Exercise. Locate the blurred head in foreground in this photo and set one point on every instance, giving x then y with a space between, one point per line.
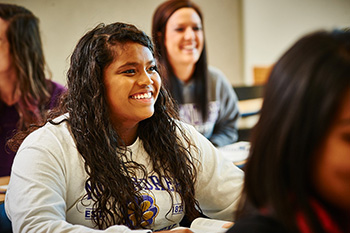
299 164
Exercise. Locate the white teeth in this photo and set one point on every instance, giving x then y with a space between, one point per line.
142 96
189 47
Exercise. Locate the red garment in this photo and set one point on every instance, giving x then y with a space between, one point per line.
328 224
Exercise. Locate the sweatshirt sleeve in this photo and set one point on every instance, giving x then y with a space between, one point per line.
36 199
225 130
219 183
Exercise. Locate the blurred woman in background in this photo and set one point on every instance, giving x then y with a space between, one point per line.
206 99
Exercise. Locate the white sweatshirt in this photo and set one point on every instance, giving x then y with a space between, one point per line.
48 183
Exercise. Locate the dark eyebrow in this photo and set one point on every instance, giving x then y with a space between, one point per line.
135 64
151 61
129 64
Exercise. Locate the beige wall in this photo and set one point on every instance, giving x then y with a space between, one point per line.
63 22
239 33
271 26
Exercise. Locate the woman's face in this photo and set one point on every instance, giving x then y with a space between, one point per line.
132 85
332 168
5 56
184 38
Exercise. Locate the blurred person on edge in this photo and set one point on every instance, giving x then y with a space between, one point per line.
25 92
297 177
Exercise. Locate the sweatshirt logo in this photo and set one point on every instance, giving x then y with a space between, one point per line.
148 205
149 208
190 114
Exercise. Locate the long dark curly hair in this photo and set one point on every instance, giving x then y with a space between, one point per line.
111 173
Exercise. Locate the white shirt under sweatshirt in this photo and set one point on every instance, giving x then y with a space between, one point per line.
48 183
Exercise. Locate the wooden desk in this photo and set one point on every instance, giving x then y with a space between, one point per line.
3 181
249 110
250 106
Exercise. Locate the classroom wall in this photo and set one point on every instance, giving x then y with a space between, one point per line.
240 34
271 26
63 23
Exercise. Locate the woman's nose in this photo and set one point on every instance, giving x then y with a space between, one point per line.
189 33
145 79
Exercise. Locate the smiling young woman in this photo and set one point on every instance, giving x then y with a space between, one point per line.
114 156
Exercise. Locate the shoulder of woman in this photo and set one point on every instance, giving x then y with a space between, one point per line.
57 87
56 91
52 130
216 72
185 127
188 130
193 135
49 139
217 76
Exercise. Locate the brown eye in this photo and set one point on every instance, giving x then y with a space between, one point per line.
179 29
153 68
131 71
